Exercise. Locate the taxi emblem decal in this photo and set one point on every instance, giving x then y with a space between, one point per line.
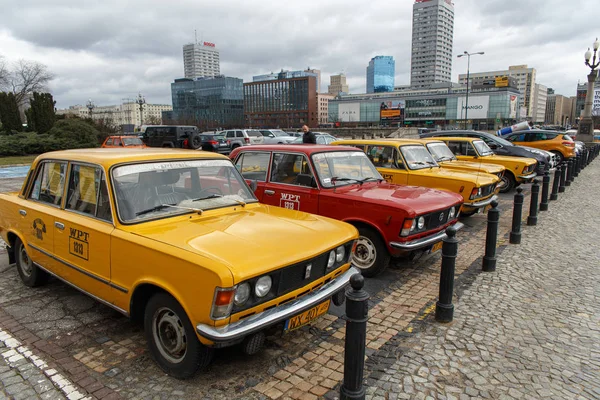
307 271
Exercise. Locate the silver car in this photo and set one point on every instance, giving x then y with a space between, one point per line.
275 136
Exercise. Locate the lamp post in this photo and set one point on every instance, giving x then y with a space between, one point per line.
466 53
586 125
90 106
140 101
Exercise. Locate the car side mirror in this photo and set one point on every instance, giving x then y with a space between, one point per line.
252 183
306 180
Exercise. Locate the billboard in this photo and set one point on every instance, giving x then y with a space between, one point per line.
349 112
513 106
596 104
391 111
478 107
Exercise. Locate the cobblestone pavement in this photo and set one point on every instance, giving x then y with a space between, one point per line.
104 355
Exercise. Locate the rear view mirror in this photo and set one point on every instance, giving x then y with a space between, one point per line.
306 180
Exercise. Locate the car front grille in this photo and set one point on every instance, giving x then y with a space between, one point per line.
437 219
487 190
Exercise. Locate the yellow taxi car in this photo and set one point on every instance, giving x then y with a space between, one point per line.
178 240
409 163
518 169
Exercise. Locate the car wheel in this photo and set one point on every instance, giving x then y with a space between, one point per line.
371 255
235 146
195 142
508 182
172 339
30 274
559 156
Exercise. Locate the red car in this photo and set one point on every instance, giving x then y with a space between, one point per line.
341 182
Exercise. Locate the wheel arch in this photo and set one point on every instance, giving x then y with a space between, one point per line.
140 297
12 236
358 223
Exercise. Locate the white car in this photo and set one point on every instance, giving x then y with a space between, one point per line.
276 136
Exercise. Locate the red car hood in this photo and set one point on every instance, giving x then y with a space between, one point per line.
412 198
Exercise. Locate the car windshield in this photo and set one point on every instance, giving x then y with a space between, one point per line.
440 152
161 189
132 142
338 168
482 148
279 133
417 157
254 133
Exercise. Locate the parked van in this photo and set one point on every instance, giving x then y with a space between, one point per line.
175 136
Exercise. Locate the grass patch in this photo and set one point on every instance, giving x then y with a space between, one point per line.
12 160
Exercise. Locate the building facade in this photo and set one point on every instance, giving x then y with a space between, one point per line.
525 82
559 109
337 85
540 96
381 74
281 103
285 74
200 60
432 42
323 107
209 103
126 114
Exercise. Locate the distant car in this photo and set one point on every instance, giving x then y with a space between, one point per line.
558 143
276 136
322 138
572 133
174 136
242 137
123 141
215 143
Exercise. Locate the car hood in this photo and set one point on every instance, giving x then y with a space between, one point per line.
252 240
473 166
416 199
508 159
474 177
525 151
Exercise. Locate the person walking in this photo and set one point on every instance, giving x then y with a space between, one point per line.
308 137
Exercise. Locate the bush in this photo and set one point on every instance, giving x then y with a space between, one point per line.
76 131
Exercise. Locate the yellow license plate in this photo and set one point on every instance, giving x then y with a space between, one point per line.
486 208
306 317
436 247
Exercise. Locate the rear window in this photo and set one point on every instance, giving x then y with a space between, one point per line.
254 133
132 142
567 137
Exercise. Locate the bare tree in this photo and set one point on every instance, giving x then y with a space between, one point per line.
25 78
3 73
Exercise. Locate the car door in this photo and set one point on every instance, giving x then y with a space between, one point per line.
389 163
284 187
254 166
82 231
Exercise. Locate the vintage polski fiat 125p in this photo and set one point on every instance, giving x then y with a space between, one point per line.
342 183
177 239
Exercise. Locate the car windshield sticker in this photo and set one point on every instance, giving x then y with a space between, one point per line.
78 243
39 228
290 201
168 165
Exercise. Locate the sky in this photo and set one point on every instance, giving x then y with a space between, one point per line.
110 51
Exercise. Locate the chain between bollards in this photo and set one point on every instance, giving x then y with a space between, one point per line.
515 233
555 183
444 309
545 191
491 237
533 204
357 312
563 177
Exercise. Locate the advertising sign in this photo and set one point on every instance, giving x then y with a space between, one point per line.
502 81
478 107
513 106
391 111
596 105
349 112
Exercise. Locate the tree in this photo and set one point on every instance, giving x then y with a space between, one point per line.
9 113
153 120
3 73
75 131
40 116
24 78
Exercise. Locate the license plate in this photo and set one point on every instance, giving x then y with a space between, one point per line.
223 145
486 208
306 317
436 247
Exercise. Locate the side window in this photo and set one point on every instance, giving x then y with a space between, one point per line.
455 147
49 183
253 165
109 142
469 150
383 156
88 192
117 142
230 134
239 134
286 168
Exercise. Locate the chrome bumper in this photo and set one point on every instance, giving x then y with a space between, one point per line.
482 203
528 177
258 322
426 241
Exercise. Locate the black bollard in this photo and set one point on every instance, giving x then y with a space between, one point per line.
515 233
491 237
555 183
533 205
444 309
563 177
569 173
357 311
577 166
545 190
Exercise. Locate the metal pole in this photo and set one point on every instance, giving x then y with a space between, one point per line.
491 237
357 313
533 205
467 99
563 177
545 191
444 309
515 233
556 183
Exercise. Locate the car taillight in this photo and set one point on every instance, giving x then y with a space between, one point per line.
229 143
569 144
185 143
247 140
213 142
223 303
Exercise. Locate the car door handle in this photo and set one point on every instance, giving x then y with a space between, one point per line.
59 225
270 192
23 212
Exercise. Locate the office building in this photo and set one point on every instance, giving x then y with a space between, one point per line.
323 107
525 82
285 74
281 103
380 74
540 96
558 109
337 85
432 42
209 103
201 60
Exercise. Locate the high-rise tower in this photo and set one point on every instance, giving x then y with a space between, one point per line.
200 59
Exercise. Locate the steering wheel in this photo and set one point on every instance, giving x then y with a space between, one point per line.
213 188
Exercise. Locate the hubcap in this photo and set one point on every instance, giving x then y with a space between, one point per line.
365 255
169 335
25 263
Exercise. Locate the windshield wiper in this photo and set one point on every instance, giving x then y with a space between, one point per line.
216 196
368 179
444 158
335 179
163 206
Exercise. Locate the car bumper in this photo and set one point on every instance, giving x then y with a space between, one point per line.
482 203
527 178
424 242
240 329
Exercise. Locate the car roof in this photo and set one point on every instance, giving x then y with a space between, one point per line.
459 138
381 142
302 148
422 141
109 157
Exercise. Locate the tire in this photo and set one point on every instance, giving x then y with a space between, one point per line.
235 146
30 274
167 325
559 157
371 255
195 142
509 182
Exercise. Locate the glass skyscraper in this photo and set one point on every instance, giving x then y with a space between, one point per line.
380 74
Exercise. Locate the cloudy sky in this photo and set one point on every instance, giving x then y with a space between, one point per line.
111 50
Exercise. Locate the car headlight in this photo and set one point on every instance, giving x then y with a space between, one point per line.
331 259
451 213
242 294
340 252
263 286
421 223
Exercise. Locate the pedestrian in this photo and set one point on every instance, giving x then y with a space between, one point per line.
308 137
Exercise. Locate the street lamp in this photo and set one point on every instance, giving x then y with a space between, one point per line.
586 125
90 105
466 53
141 101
